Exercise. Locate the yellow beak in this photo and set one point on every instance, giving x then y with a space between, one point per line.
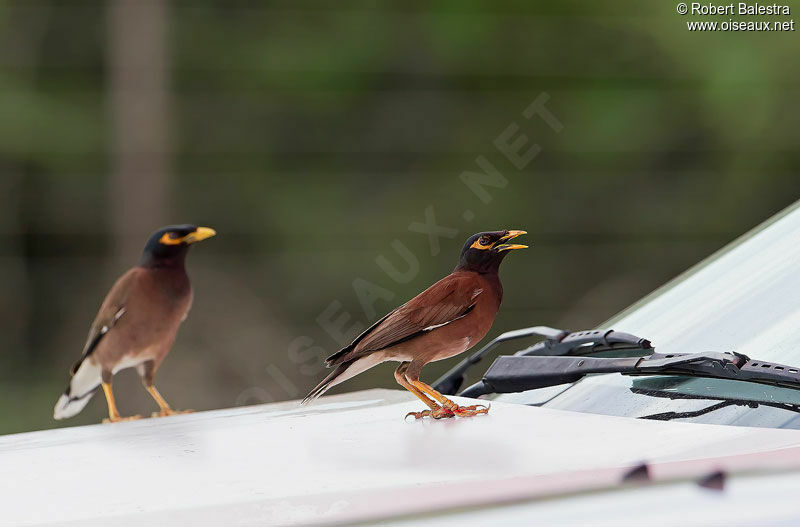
510 246
200 234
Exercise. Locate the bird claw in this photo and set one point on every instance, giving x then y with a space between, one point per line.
170 411
452 411
108 420
441 413
469 411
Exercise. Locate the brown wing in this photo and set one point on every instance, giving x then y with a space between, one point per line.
112 309
447 300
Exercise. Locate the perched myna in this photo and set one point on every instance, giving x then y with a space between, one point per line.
137 322
446 319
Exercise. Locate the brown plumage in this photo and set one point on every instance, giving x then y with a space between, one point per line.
137 322
446 319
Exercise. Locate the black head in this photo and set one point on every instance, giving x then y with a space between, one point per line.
168 245
484 251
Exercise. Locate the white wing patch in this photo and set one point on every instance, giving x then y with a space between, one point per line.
117 316
475 294
431 328
440 325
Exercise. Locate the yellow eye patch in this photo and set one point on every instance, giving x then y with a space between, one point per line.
167 240
478 244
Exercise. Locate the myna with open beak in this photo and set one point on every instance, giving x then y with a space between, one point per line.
137 323
448 318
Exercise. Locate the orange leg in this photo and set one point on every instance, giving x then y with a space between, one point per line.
162 403
436 411
113 414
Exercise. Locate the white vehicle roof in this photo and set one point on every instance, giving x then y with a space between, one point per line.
352 458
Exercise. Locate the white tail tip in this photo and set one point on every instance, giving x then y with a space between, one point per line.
81 388
65 407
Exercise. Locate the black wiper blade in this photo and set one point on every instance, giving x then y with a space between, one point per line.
587 342
723 402
509 374
690 414
557 342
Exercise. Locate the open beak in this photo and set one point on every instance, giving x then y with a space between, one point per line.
509 246
200 234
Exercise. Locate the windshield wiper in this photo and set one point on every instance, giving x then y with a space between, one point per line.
557 342
586 343
509 374
724 402
669 416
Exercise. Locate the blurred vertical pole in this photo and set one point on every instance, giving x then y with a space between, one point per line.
138 65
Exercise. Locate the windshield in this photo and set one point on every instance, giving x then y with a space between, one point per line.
745 298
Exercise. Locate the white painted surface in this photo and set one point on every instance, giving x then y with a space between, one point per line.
345 458
755 501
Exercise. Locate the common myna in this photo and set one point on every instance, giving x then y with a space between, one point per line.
137 322
446 319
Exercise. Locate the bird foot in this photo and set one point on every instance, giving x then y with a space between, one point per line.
170 411
120 419
440 413
469 411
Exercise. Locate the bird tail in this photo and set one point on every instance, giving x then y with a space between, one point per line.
343 371
79 391
331 380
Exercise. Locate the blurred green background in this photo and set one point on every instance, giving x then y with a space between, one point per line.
312 134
